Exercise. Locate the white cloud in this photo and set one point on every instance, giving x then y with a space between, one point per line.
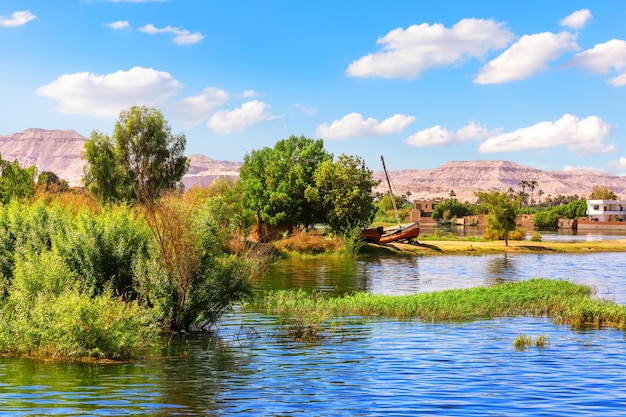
577 20
120 24
192 110
353 125
586 136
526 57
603 58
621 163
406 53
17 19
105 95
310 111
438 136
182 36
249 94
239 119
584 168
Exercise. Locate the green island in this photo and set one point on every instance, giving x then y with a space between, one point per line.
114 269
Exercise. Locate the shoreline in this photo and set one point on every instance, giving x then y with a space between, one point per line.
466 247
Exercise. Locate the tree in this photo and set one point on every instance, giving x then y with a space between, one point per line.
450 207
49 181
532 184
344 190
539 193
274 181
16 182
502 211
600 192
140 162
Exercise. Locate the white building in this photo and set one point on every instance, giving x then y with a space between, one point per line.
606 210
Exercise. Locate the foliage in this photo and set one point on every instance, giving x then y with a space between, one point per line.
600 192
16 182
343 189
550 218
191 281
274 181
451 208
50 182
536 237
141 161
50 312
386 204
502 211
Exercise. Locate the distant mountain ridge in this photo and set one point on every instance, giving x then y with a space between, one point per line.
60 151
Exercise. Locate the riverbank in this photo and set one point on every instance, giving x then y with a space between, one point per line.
465 247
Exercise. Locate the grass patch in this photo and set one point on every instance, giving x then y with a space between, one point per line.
563 301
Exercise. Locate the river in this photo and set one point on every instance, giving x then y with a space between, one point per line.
382 367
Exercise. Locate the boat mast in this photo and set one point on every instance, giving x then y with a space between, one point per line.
393 200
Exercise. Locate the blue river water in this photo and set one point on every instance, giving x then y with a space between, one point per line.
381 367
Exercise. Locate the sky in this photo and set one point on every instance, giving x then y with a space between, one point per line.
540 83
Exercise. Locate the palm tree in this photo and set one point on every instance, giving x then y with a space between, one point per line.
539 193
510 191
532 184
523 184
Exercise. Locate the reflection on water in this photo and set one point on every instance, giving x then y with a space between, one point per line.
602 271
377 368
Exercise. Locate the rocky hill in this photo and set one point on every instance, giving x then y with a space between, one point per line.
465 177
60 151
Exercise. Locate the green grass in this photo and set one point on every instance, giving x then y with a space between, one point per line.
563 301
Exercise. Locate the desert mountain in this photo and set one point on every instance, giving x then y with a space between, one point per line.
465 177
60 151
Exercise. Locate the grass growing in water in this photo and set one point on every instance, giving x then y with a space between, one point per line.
565 302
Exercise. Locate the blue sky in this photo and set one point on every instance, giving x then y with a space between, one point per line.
540 83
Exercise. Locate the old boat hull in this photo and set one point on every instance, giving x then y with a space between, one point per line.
407 232
372 234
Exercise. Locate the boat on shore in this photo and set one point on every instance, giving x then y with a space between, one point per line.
379 234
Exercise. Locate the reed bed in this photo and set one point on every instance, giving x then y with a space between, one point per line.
565 302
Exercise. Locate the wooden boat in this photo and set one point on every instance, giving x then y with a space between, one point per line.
406 232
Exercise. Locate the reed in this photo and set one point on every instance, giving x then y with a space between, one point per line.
564 301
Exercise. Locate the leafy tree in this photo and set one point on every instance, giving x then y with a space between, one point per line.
140 162
274 181
547 218
385 203
16 182
344 190
502 211
449 208
600 192
51 182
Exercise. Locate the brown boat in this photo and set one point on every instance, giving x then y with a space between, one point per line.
406 232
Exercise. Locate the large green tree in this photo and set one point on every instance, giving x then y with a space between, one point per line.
274 181
343 188
141 161
502 211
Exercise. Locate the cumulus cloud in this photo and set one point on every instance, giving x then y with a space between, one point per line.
603 58
406 53
120 24
192 110
438 136
620 163
105 95
585 136
233 121
529 55
17 19
182 36
577 20
353 125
